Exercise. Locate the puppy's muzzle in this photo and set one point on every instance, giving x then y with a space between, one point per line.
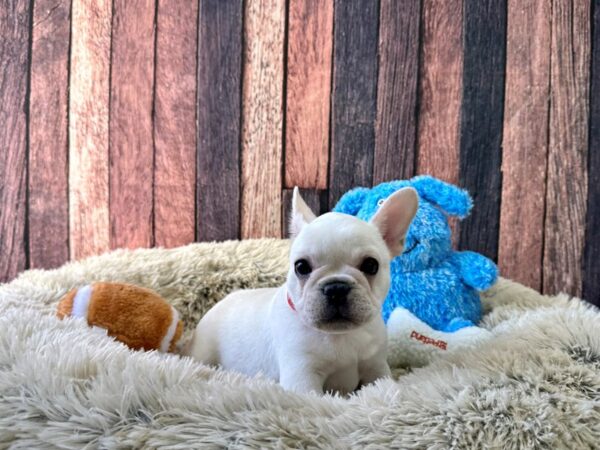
336 292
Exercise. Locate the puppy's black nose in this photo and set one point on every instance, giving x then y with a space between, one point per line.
336 290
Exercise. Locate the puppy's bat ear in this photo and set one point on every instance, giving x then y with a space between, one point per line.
301 213
394 217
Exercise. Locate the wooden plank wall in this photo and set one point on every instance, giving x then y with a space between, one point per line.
591 268
15 29
89 97
484 40
175 110
354 95
48 133
219 119
566 182
131 101
262 118
397 89
525 140
146 123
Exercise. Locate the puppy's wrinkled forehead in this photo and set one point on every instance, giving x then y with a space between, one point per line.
338 237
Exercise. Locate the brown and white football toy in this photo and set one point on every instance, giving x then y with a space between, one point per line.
138 317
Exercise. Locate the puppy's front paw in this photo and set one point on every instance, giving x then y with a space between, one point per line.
301 382
374 370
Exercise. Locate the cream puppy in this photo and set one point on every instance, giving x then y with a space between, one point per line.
322 330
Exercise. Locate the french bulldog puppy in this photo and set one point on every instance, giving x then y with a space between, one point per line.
322 330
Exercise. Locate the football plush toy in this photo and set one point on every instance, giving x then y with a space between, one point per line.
138 317
433 304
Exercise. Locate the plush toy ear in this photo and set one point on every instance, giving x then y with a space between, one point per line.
301 213
451 199
352 201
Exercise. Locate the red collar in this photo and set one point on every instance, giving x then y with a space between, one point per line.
290 302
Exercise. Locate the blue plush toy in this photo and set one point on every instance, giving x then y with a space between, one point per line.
431 283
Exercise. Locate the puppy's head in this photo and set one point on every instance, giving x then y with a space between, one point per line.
340 265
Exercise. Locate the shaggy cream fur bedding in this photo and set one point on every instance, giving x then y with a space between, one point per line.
64 385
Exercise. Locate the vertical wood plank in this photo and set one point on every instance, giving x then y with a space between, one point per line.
262 118
219 111
567 153
175 123
591 267
48 128
525 141
15 18
440 89
395 131
481 122
354 100
310 41
131 141
88 127
316 199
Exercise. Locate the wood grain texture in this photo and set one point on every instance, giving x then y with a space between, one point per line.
310 41
396 128
219 115
14 64
262 118
316 199
440 88
525 141
131 140
48 130
384 77
481 122
354 100
591 267
567 153
88 127
175 123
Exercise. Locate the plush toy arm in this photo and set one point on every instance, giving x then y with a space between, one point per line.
352 201
475 270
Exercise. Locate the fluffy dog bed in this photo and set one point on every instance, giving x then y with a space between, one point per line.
64 385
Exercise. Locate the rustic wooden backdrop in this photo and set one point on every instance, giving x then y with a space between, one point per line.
138 123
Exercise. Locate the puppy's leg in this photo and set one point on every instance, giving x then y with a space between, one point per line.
373 370
202 347
300 378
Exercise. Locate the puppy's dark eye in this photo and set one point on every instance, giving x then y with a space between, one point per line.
302 267
369 266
